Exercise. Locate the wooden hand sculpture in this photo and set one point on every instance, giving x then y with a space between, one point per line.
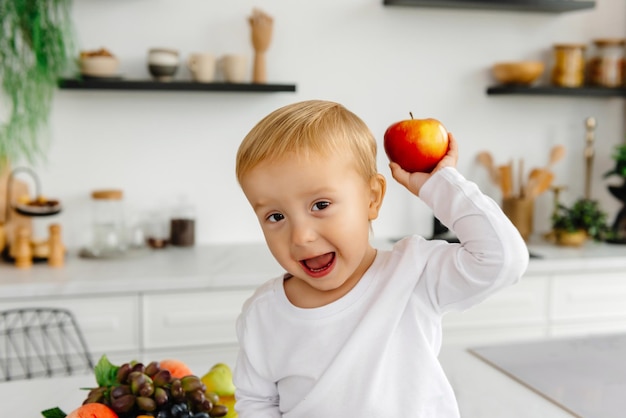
261 25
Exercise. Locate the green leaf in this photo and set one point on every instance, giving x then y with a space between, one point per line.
53 413
105 372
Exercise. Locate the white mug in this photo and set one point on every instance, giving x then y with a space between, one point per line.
202 67
234 67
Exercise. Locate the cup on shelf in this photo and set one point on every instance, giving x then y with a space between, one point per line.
202 67
233 67
163 63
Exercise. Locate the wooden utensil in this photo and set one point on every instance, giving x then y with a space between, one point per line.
556 154
539 181
506 180
486 160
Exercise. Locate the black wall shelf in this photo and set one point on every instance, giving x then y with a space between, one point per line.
586 91
174 85
553 6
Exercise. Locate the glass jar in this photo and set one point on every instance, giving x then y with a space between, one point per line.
108 221
569 65
183 225
606 67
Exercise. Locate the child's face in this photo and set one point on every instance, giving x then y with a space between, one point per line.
315 214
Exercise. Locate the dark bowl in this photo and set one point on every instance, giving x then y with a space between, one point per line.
162 72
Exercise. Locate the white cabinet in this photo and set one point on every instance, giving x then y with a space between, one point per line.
191 318
514 313
109 323
542 306
588 303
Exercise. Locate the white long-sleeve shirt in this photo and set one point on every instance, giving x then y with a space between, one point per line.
373 353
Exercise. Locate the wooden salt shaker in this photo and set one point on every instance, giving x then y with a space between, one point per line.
21 251
56 257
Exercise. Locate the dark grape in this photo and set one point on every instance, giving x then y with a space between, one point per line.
122 373
123 404
118 391
162 378
138 367
152 368
201 415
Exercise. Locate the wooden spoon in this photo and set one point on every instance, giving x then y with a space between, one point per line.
556 154
539 180
486 160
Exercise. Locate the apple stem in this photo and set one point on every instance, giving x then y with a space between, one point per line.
411 113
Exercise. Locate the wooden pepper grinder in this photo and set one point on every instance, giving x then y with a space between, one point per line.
21 249
590 125
261 25
56 258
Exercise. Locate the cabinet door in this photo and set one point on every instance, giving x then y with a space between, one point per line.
588 303
189 319
516 312
109 324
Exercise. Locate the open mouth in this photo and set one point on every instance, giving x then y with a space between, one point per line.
319 265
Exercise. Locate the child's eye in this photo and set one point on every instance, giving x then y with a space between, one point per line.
276 217
320 205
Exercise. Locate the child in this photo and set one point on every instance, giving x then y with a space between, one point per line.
352 331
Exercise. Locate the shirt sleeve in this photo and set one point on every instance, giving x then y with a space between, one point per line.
491 253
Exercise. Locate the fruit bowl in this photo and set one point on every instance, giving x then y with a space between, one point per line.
162 389
518 72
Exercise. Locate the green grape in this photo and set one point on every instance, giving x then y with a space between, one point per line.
146 404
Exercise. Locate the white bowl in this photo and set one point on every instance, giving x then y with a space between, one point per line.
99 66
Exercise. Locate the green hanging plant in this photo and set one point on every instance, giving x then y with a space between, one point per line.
36 48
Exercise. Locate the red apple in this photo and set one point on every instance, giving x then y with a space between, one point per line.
416 144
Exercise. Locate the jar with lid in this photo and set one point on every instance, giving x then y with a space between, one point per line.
569 65
183 225
606 67
108 221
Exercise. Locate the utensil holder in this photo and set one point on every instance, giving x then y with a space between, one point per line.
520 212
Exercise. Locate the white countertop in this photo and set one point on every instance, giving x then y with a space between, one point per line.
231 266
585 376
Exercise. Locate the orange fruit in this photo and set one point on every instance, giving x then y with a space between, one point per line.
92 410
177 368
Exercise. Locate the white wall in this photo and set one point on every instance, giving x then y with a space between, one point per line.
381 62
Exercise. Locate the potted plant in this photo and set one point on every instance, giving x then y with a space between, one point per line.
584 219
619 192
36 48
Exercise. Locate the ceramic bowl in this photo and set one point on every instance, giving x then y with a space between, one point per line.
99 66
163 63
518 72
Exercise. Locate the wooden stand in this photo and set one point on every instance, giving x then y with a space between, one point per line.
261 25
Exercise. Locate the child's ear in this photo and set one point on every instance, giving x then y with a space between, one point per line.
378 186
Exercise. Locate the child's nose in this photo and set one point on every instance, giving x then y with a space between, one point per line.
302 233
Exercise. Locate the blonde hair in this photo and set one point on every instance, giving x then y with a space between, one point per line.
310 127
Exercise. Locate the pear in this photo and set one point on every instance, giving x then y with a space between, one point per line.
219 380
